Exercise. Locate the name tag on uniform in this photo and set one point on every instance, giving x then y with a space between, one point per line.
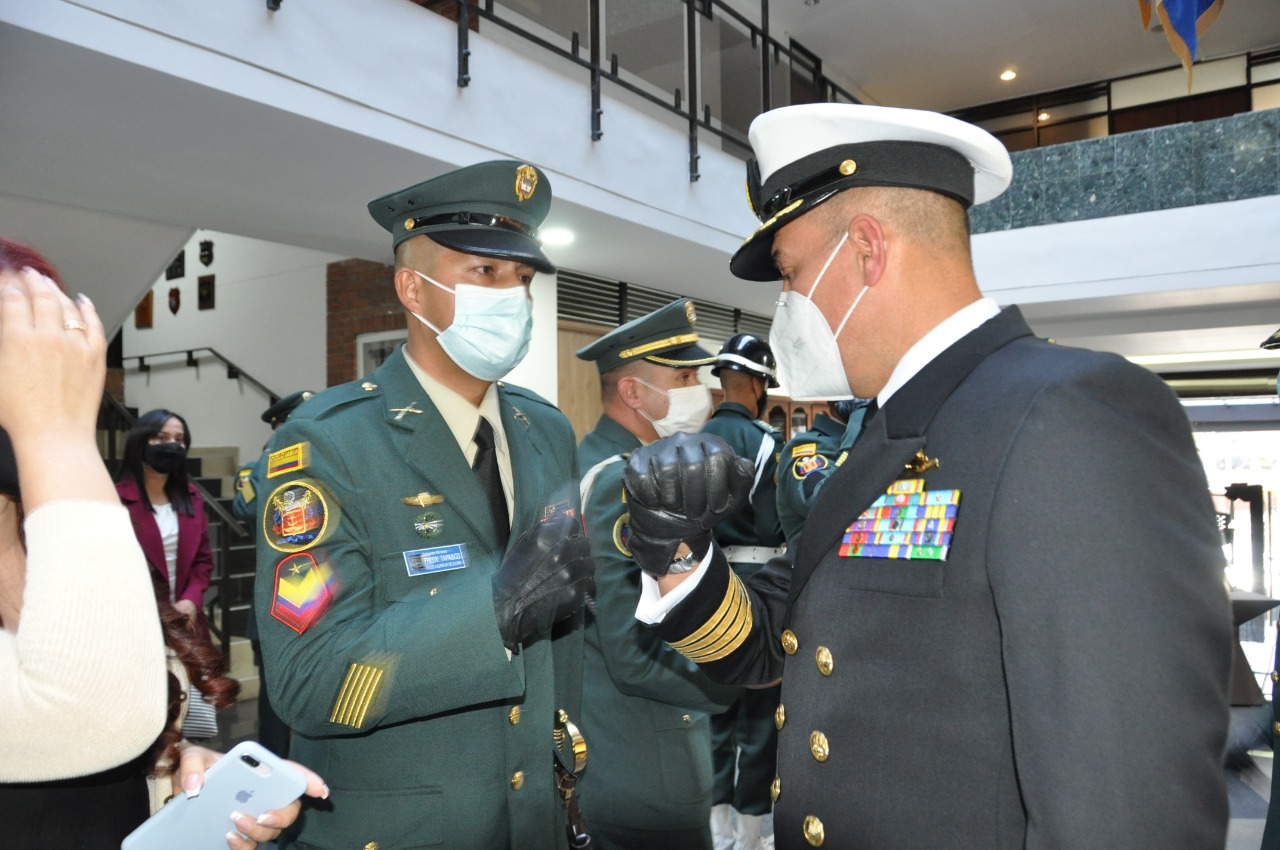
438 559
908 522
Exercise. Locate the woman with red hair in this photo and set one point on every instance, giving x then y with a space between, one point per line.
87 710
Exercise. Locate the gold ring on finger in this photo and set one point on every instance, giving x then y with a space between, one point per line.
74 325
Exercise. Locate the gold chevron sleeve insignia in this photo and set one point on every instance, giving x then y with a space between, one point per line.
358 691
728 627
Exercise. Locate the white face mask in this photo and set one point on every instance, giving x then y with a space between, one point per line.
806 348
490 331
687 409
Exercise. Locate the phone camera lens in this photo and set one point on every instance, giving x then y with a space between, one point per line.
250 760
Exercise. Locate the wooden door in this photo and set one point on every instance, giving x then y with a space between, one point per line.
579 380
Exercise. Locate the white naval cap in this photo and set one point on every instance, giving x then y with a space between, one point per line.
806 154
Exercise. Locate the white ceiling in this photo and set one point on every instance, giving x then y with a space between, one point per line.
945 56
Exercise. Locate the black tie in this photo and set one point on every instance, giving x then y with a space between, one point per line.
485 467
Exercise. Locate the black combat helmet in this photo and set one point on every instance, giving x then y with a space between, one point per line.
749 354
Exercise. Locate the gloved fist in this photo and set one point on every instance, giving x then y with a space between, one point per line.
542 579
678 488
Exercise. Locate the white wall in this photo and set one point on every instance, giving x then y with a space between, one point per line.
268 318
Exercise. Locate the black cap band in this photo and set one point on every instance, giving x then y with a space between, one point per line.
478 219
913 165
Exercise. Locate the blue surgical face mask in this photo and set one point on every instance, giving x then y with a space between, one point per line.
490 331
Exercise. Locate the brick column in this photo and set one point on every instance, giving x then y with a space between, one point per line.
360 298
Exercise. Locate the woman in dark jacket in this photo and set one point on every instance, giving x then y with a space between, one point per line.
166 509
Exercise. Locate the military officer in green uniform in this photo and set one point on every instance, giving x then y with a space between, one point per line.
810 457
421 562
744 738
643 704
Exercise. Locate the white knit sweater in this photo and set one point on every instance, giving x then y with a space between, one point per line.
82 684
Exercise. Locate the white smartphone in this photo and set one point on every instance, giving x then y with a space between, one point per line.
250 779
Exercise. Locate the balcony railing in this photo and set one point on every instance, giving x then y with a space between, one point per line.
695 58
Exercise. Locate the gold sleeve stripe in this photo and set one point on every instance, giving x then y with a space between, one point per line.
725 631
705 637
356 695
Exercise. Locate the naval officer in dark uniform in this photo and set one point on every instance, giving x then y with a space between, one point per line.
644 705
744 740
1017 563
421 562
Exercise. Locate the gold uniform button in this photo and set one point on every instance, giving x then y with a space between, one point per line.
790 643
517 780
1275 676
687 719
513 716
780 717
818 746
368 386
372 845
848 167
813 831
825 662
1275 728
775 788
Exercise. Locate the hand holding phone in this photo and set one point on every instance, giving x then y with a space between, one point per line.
250 779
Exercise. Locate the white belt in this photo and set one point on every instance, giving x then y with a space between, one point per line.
752 554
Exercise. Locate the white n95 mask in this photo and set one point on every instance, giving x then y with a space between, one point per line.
802 340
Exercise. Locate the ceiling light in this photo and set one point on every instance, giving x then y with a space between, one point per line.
1008 74
1043 116
555 236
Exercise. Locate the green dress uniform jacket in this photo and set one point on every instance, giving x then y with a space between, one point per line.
1000 698
643 704
757 523
378 627
806 462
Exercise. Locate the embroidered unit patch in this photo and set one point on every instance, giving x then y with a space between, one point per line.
802 466
296 517
908 523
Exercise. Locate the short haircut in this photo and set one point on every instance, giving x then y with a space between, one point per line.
927 218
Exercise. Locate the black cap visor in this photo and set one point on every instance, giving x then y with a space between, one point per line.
486 242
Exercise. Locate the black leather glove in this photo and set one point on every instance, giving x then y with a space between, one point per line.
678 488
542 579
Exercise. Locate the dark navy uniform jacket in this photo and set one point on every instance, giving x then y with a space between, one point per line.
1059 681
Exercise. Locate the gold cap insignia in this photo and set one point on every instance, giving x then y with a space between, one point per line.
688 311
526 182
